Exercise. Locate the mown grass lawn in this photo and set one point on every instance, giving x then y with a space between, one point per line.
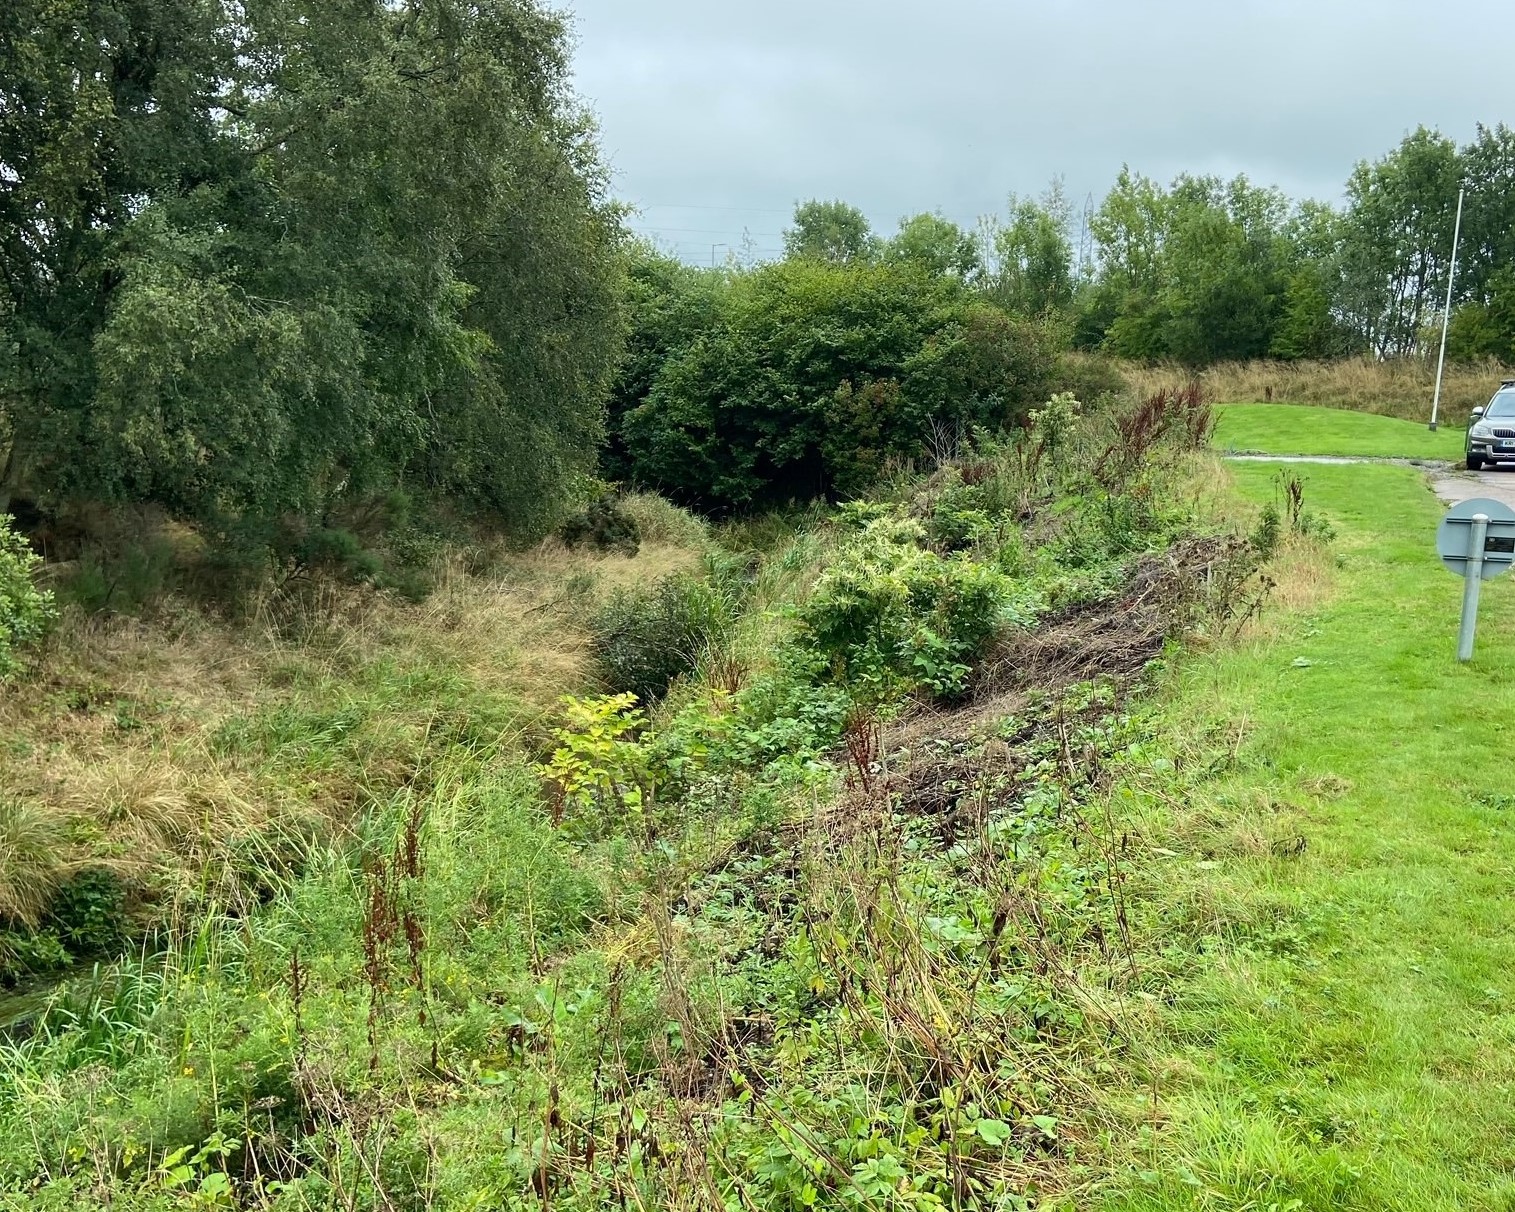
1344 1035
1298 429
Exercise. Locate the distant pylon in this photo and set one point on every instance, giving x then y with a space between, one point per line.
1086 241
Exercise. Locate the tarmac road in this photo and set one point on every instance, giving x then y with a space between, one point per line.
1459 485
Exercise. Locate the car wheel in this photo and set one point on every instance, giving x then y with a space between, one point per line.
1474 462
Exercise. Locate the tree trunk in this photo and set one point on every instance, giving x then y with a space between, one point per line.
10 475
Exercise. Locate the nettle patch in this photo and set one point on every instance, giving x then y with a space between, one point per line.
891 617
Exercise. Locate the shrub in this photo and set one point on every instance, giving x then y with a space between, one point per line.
600 770
603 525
1055 422
643 639
126 577
88 913
890 616
811 378
955 517
336 552
1266 533
26 612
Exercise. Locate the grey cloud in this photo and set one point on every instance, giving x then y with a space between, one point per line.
906 107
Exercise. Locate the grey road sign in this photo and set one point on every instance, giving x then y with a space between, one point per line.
1454 536
1476 540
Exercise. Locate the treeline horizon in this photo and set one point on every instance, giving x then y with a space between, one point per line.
1288 278
745 386
267 268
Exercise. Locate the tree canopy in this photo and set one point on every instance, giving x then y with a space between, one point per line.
1204 269
830 231
259 257
807 376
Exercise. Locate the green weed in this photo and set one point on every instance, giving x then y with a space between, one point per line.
26 612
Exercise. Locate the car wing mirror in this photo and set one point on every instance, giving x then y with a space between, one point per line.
1478 412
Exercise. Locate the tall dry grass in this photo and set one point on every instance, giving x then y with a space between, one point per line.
1402 388
164 747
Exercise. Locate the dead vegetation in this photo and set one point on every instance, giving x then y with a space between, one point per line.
159 747
1216 575
1395 388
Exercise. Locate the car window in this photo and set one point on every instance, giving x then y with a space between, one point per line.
1502 405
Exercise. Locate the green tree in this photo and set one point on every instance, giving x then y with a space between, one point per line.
1397 242
1486 328
297 252
669 306
1488 221
1122 310
1307 328
935 244
1197 272
102 106
1222 258
1032 268
830 231
1129 228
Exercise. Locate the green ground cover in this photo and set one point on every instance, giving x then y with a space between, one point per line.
1344 1037
1302 430
813 930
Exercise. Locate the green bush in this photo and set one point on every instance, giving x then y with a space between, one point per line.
125 575
26 612
643 639
1265 535
603 525
88 913
378 545
337 552
890 616
955 515
811 378
25 953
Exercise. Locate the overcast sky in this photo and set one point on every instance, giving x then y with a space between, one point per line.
718 115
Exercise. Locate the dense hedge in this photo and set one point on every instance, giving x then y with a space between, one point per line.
807 377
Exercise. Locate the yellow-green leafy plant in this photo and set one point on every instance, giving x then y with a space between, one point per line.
601 771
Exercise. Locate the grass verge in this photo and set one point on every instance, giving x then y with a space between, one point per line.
1329 909
1299 430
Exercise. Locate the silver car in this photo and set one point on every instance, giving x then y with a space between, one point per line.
1491 436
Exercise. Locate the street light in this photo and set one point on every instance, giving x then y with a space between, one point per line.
1446 315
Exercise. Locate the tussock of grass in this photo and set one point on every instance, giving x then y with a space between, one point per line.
660 521
29 869
161 748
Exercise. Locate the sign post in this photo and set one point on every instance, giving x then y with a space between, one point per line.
1476 540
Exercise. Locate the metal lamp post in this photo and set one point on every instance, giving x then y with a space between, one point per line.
1446 315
